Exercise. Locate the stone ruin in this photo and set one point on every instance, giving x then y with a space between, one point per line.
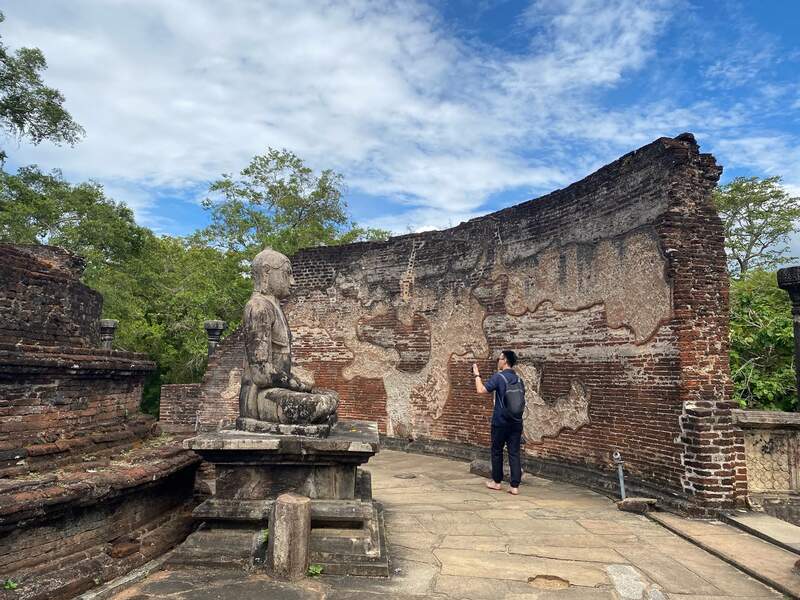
88 490
614 293
612 290
287 445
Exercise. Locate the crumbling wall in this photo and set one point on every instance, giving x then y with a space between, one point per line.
614 293
87 492
42 300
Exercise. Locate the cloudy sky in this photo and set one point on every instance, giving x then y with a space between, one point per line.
435 112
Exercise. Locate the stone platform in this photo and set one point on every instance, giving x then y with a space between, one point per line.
451 538
253 469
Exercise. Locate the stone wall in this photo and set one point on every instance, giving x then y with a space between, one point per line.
614 293
772 450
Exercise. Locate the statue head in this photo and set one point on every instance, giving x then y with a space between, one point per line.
272 273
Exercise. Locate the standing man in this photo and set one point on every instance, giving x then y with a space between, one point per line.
506 430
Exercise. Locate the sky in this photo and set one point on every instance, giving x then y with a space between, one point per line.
434 112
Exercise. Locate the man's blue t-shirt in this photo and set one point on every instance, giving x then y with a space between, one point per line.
498 385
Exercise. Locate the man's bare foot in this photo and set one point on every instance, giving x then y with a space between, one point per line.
493 485
513 491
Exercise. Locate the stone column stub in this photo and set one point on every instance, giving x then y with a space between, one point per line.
214 329
789 280
289 537
108 328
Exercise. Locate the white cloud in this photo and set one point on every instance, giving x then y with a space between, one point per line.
172 94
175 93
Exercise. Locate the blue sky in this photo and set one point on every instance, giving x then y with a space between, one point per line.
434 112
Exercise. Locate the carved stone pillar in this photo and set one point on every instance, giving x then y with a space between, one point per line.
789 280
107 329
214 329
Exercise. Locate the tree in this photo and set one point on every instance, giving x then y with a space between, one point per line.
762 343
759 216
162 295
43 208
28 108
278 201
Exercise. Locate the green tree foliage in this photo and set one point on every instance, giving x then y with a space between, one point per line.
762 346
161 298
161 289
278 201
28 108
43 208
759 216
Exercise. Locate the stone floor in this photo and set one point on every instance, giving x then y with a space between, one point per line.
451 538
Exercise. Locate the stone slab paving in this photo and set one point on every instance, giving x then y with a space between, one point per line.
453 539
751 554
769 528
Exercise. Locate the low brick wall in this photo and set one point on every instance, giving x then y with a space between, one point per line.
59 403
72 529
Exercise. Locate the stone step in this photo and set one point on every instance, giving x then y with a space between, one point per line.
766 562
330 511
768 528
343 541
215 548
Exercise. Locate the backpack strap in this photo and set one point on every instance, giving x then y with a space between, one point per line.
502 398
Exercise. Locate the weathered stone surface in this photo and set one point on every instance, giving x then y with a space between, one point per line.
637 505
270 393
289 537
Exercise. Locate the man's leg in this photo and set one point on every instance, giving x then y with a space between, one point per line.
513 443
497 457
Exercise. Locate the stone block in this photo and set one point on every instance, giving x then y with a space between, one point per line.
637 505
289 537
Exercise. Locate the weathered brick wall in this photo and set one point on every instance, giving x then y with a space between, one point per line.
212 404
60 395
178 406
219 405
613 291
57 403
42 300
80 528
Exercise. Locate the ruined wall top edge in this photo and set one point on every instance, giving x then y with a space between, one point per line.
42 300
661 160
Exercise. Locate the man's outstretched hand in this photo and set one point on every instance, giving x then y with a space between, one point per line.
475 371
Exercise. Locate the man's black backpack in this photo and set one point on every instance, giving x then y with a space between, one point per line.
514 401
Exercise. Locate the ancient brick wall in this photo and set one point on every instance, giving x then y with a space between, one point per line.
79 527
42 300
86 492
219 405
178 406
60 395
614 293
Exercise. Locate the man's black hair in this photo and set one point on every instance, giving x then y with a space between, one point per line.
511 357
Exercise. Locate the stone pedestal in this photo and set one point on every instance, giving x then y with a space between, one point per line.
253 469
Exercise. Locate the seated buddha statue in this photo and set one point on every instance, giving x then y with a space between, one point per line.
271 398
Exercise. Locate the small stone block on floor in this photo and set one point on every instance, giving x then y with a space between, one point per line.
637 505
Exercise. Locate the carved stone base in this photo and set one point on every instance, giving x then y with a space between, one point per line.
253 469
255 426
